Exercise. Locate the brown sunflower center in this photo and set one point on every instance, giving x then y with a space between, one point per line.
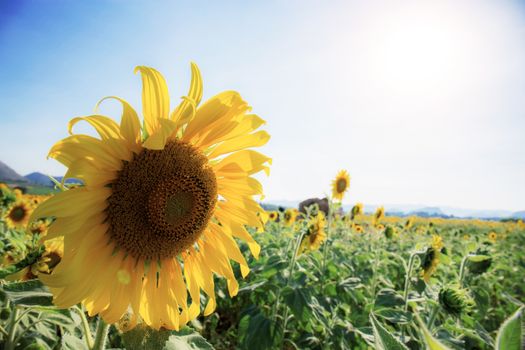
161 201
17 214
341 185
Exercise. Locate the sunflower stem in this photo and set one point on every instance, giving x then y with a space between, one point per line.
11 328
325 246
432 317
101 335
85 327
288 278
407 280
462 270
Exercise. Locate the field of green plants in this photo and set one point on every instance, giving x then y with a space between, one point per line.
347 281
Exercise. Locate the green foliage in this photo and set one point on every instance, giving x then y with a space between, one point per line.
511 335
353 299
383 339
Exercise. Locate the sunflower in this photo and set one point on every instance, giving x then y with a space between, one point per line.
315 234
160 206
289 216
17 215
409 223
492 236
380 227
378 215
38 227
53 253
431 258
273 216
340 185
356 211
358 228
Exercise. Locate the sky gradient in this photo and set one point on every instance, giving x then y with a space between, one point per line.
422 102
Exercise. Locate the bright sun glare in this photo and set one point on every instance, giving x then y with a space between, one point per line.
419 49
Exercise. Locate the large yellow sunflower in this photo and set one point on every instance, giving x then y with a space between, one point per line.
17 215
160 205
340 185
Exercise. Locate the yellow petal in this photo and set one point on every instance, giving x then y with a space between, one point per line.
242 125
158 140
75 147
186 109
224 106
72 202
221 239
129 123
105 127
155 98
245 162
86 170
256 139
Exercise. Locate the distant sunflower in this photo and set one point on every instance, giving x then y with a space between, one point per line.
431 257
358 228
17 215
53 253
340 185
38 227
493 237
315 234
356 211
289 216
380 227
273 215
160 206
409 223
378 215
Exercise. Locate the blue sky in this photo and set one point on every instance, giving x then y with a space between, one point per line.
423 102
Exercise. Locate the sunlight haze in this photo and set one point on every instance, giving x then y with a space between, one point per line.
423 102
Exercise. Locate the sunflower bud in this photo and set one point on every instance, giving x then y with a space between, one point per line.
389 232
456 301
478 264
5 313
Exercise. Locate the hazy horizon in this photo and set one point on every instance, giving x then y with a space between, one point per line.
422 102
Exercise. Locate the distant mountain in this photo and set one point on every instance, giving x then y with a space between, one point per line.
428 211
422 210
39 179
8 174
44 180
518 215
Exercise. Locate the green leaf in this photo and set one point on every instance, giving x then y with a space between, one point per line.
28 293
188 341
394 316
70 342
388 298
511 333
256 331
143 337
298 299
432 343
383 339
251 287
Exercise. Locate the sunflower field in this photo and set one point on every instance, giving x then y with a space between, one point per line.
163 245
